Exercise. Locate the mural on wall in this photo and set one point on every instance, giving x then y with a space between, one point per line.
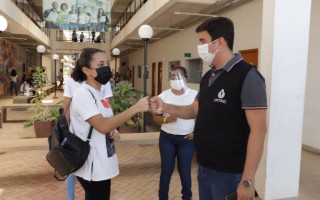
8 60
77 15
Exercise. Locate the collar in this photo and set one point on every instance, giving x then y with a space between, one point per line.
229 65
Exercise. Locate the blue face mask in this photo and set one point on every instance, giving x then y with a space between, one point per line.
104 75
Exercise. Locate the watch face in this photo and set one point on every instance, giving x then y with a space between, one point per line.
245 183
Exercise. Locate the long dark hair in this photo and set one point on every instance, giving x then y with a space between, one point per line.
83 61
13 72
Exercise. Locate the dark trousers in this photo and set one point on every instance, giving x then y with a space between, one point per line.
96 190
172 147
13 84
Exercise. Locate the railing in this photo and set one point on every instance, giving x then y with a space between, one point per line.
66 36
36 17
131 10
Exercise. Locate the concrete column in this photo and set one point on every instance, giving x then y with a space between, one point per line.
284 56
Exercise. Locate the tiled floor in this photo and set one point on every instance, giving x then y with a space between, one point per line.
25 174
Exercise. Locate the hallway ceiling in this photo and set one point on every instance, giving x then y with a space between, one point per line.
182 14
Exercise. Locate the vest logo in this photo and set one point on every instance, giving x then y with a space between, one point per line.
221 94
220 99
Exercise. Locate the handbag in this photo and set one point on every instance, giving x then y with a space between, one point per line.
67 152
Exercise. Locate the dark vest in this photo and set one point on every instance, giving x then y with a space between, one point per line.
221 130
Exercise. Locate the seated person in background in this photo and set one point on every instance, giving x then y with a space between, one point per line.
98 39
27 87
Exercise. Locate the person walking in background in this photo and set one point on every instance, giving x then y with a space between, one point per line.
93 35
176 135
89 108
60 78
64 17
74 36
81 37
230 112
13 81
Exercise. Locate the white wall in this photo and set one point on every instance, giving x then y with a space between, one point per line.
311 133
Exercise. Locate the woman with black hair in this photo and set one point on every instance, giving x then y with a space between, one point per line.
90 108
27 87
176 135
13 81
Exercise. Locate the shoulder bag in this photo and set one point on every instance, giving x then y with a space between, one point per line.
67 152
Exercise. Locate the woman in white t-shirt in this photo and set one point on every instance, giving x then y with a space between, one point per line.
71 86
176 135
27 87
89 108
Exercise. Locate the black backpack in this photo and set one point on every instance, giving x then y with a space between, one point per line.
67 152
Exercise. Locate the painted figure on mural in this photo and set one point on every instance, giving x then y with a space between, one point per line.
8 60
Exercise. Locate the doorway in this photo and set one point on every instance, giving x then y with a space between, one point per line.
250 56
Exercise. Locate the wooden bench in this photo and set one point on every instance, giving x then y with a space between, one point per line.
48 89
4 110
22 99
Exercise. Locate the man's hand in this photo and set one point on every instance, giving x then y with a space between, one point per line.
156 105
245 193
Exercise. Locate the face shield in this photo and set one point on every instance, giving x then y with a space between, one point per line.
177 81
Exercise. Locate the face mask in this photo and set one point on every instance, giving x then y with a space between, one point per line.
177 84
104 75
203 51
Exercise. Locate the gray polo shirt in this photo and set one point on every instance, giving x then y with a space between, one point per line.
253 95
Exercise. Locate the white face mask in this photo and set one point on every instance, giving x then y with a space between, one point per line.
177 84
205 55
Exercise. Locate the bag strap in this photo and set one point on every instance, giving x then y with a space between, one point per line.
90 132
67 107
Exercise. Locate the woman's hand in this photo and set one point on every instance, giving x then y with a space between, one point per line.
142 105
189 137
115 135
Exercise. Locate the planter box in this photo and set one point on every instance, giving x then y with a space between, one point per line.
128 129
43 128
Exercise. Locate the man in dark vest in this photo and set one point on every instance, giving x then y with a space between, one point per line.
230 111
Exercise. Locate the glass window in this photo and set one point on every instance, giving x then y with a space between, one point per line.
195 70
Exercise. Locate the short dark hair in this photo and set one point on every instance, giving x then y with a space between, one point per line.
83 61
180 68
63 4
219 27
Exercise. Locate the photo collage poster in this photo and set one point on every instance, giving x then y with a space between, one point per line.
77 15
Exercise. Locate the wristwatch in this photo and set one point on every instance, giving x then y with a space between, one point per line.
247 183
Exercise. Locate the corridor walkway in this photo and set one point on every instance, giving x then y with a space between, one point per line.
26 175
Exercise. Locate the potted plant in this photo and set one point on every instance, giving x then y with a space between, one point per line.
44 118
124 96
